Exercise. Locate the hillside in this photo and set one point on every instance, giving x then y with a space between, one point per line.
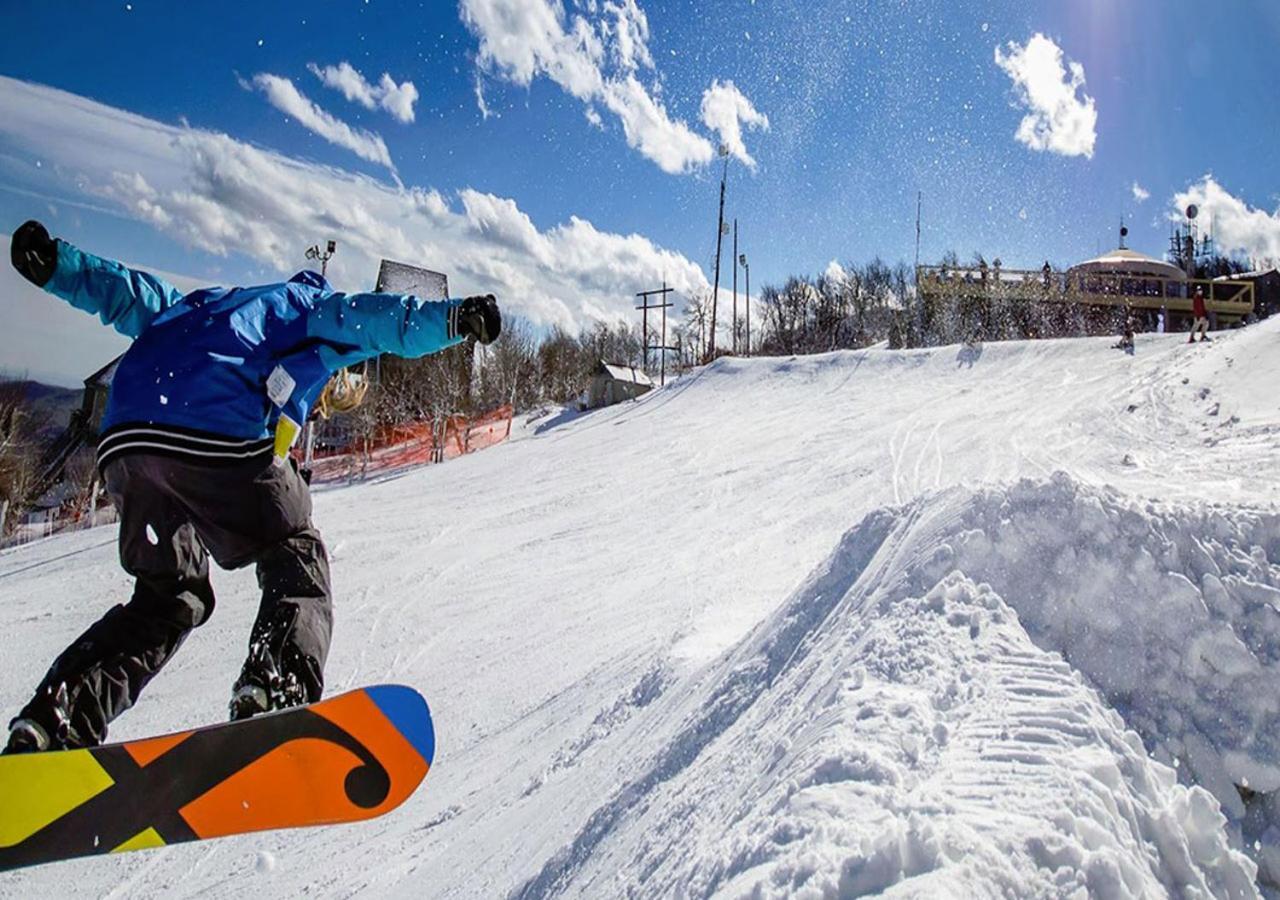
48 405
962 621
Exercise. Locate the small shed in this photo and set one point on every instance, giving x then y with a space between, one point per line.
612 384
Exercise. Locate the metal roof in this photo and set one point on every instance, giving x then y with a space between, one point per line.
1249 276
105 375
624 373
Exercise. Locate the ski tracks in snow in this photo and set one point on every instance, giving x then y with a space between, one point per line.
926 472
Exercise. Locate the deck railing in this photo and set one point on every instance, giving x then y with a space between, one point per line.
1230 300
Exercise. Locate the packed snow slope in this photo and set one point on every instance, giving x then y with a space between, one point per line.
998 621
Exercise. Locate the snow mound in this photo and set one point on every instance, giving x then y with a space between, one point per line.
902 723
1173 613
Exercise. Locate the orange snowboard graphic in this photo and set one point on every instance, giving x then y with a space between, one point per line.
352 757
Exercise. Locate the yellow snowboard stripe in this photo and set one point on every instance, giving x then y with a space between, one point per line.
141 841
40 787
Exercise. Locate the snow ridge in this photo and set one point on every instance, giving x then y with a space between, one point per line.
750 674
894 727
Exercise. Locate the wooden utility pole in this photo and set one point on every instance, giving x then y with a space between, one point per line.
715 287
646 306
746 268
735 285
919 195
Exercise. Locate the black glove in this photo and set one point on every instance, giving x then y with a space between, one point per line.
34 253
478 317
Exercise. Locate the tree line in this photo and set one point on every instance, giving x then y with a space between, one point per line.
860 305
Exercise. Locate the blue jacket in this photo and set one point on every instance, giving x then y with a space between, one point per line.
214 374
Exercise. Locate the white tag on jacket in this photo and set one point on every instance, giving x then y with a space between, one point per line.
280 385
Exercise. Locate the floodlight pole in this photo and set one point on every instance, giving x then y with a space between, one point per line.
308 427
746 268
715 287
664 332
314 252
735 285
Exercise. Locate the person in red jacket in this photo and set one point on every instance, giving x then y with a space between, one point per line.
1201 322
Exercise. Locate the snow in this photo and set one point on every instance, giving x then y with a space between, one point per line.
972 621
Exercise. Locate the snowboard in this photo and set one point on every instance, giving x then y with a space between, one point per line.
350 757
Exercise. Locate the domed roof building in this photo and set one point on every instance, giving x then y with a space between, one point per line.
1128 263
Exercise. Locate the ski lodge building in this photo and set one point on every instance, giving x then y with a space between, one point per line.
1092 297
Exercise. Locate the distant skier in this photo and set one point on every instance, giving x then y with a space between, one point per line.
1201 314
203 409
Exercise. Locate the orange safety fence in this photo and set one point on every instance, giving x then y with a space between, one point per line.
415 444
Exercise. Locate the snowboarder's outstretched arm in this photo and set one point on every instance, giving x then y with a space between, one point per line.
121 297
402 324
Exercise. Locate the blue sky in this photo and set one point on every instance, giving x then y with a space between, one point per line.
559 154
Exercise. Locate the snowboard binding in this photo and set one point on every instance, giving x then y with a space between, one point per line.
263 687
46 725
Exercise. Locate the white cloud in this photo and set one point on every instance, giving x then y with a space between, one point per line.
1060 117
1237 227
668 142
630 31
225 196
725 110
480 101
397 99
285 96
1141 194
522 39
598 56
835 271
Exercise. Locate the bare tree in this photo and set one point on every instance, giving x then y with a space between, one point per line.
80 480
696 316
19 453
508 372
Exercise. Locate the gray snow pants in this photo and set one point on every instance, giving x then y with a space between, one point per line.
174 514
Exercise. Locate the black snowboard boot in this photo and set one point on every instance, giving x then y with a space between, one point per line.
263 686
26 736
45 726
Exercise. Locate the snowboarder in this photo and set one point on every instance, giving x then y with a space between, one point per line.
1126 342
194 451
1201 322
